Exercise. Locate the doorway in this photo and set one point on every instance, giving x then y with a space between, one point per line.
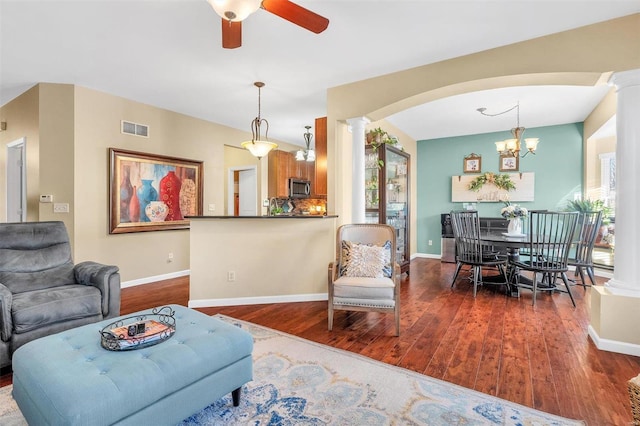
242 191
16 181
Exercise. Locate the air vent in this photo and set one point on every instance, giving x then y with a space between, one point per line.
135 129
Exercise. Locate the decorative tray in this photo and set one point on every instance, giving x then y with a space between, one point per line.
140 331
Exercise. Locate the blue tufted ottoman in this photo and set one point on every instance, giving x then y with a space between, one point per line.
69 379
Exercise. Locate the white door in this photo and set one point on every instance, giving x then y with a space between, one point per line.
16 181
247 193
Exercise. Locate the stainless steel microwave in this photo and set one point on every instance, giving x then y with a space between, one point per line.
299 188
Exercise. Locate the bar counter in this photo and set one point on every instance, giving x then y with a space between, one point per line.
238 260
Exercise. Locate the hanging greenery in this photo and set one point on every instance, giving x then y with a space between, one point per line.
500 181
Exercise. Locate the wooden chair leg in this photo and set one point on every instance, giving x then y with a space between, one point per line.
455 276
581 272
566 284
591 276
477 273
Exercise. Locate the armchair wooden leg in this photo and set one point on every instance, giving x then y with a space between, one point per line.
397 314
330 316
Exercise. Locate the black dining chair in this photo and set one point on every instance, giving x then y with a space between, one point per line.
581 256
471 251
550 235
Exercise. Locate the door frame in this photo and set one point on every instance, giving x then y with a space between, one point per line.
12 172
230 188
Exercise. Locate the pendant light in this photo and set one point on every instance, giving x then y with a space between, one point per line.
257 146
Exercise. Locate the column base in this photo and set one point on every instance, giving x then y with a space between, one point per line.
614 321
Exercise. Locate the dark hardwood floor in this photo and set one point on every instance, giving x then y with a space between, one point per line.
538 356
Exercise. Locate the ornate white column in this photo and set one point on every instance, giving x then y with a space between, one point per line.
626 277
357 165
615 307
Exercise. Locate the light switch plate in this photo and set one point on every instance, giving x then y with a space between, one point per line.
61 207
46 198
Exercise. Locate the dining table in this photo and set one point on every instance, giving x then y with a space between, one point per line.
512 243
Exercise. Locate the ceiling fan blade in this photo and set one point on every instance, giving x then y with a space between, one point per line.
296 14
231 34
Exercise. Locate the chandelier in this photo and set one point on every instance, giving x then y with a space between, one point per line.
257 146
307 154
512 146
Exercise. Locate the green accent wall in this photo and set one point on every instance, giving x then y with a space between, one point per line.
558 168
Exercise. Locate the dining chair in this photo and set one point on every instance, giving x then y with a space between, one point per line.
471 251
365 276
550 237
581 256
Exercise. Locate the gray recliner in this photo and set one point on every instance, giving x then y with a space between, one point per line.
42 292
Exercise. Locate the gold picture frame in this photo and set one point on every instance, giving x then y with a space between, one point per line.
472 163
149 192
509 163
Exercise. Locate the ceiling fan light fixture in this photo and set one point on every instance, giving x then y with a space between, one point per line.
234 10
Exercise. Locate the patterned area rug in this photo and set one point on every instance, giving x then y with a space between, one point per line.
298 382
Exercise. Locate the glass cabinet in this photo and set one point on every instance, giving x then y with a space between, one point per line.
387 194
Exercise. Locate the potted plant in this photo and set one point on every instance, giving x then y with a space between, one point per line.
588 205
376 136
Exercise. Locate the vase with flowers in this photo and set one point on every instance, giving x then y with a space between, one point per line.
514 213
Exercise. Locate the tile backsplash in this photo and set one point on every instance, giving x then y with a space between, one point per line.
313 206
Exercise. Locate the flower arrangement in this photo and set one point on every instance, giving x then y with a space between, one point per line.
512 211
502 181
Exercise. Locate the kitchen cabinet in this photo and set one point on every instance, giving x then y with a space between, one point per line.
320 171
387 194
283 165
280 163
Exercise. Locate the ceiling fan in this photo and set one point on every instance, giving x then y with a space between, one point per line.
233 12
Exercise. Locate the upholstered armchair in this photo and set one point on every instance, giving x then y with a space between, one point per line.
365 276
42 292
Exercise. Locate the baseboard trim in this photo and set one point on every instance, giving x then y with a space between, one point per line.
613 345
289 298
426 256
148 280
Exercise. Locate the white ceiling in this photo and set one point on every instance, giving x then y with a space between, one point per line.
168 53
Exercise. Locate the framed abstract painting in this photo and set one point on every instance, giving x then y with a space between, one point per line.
149 192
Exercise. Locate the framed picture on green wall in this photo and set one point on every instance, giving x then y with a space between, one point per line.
509 163
472 163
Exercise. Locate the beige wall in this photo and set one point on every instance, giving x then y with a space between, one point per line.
23 120
57 174
98 117
69 130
